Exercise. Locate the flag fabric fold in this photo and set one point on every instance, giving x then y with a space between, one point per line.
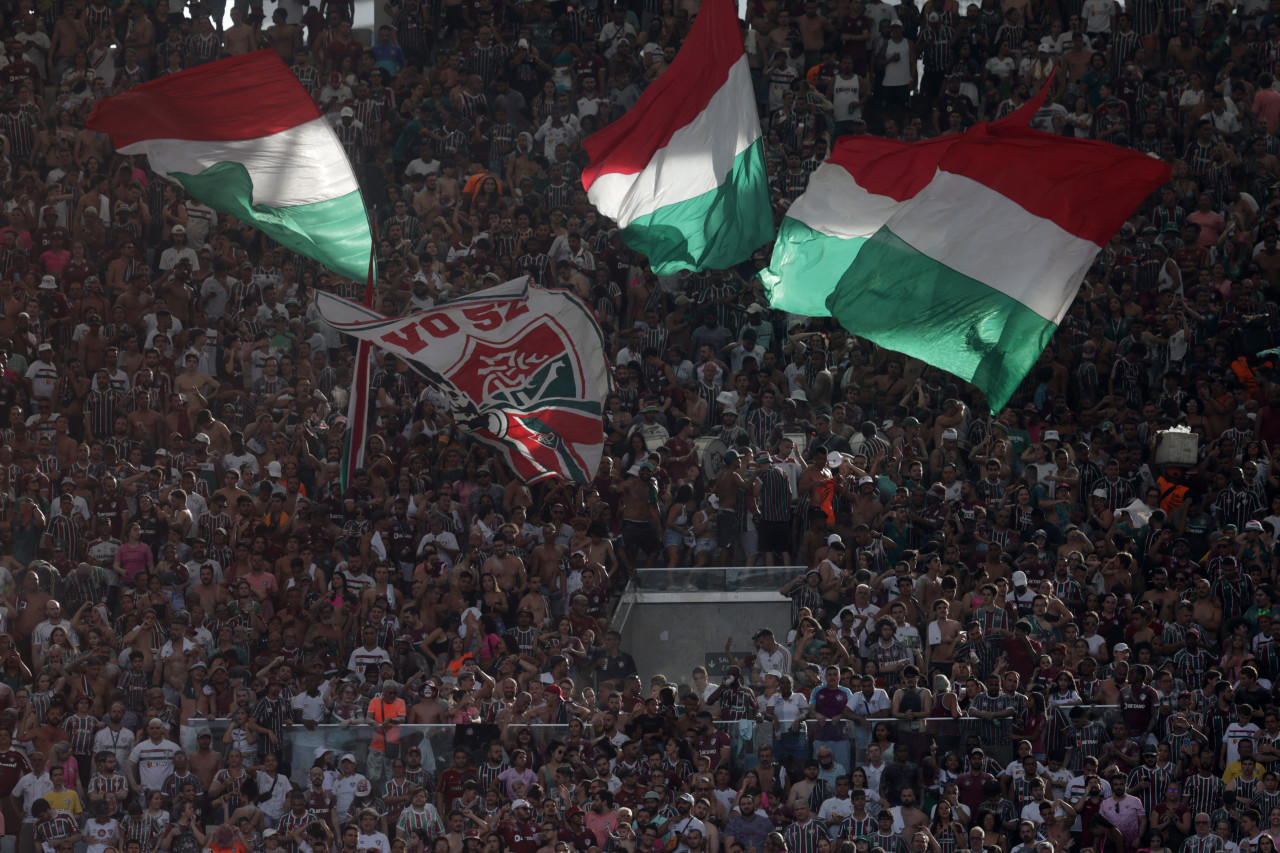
243 136
964 251
358 404
521 368
683 172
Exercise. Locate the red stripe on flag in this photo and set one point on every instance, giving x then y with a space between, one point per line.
899 170
1085 186
242 97
699 70
890 167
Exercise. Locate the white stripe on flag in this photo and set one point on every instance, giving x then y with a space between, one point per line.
694 161
990 238
301 165
836 205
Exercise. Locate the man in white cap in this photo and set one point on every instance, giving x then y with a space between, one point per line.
344 787
43 372
151 761
948 451
516 824
179 250
1021 595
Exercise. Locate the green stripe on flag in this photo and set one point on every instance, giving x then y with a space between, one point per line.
716 230
909 302
334 232
806 268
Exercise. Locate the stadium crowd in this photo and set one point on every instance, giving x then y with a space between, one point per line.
1045 630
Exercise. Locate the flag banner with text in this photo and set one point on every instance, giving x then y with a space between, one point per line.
523 368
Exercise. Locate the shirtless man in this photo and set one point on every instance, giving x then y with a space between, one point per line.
231 488
638 507
96 679
142 640
943 635
731 487
865 504
239 37
1206 610
506 567
194 708
65 447
535 602
195 385
43 737
1075 61
286 38
1160 596
428 710
92 345
323 630
176 657
545 564
141 37
218 432
515 494
144 422
31 605
203 760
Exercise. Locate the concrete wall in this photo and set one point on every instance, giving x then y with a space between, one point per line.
671 633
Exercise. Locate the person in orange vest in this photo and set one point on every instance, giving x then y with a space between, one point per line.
1173 492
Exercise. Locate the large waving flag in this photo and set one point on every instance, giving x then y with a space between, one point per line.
243 136
524 370
683 172
964 251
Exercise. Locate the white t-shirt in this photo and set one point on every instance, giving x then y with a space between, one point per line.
1001 67
1097 15
786 711
98 836
1234 734
155 762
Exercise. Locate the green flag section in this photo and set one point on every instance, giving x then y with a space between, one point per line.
683 172
331 232
244 137
977 332
688 235
964 251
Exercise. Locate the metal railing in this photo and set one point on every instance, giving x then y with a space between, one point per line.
716 578
438 742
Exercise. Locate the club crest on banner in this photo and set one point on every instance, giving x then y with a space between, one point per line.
523 369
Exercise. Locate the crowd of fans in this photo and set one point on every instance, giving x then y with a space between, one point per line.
1044 630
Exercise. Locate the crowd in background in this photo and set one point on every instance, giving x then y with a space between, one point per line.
1043 629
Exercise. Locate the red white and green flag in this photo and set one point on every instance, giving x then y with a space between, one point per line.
243 136
524 370
964 251
683 172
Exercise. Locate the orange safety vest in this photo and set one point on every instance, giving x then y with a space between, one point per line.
1172 495
1240 367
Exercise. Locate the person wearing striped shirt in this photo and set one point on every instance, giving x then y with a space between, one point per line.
1269 797
884 837
1203 841
1236 504
53 828
1203 790
803 834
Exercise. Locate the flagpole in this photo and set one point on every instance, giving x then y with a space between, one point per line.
358 404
